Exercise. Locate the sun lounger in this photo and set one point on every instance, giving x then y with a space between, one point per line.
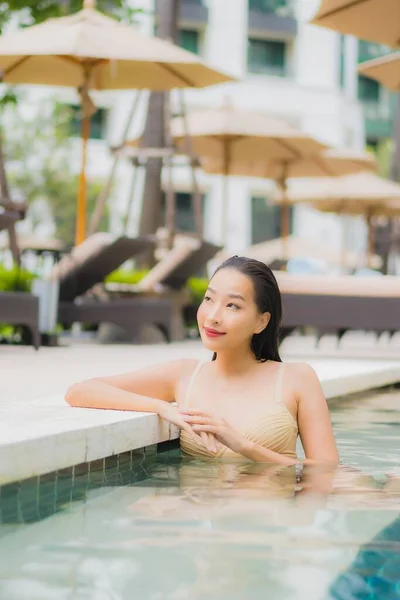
89 263
21 308
157 300
168 278
340 303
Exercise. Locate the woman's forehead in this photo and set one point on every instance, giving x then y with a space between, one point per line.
231 281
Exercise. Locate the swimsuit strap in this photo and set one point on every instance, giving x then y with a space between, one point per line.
191 383
279 383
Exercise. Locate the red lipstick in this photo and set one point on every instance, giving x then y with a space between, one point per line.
213 333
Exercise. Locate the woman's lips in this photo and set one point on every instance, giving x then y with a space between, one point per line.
213 333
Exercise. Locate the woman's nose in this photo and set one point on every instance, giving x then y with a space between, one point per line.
215 314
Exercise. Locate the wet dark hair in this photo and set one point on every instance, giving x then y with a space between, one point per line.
265 345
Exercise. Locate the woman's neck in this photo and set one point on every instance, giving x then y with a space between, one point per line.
234 363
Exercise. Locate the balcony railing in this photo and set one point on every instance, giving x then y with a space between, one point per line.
282 8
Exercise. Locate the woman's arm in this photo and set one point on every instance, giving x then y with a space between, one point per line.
258 453
313 417
145 390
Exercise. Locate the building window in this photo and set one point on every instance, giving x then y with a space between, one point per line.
185 221
266 220
98 123
369 90
279 7
189 39
267 57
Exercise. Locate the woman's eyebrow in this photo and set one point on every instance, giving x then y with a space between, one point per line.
232 295
238 296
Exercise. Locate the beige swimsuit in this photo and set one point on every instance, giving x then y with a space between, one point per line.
276 429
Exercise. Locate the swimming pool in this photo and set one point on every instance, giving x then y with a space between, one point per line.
168 527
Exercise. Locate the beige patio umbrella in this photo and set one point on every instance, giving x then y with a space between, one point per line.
386 70
231 141
90 51
372 20
363 194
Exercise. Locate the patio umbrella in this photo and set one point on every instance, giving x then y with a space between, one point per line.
235 142
372 20
362 194
90 51
231 141
386 70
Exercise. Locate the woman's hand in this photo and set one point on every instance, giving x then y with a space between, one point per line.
203 422
171 413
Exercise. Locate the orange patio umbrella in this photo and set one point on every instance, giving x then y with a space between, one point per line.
90 51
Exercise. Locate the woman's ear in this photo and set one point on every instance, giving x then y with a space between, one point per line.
264 319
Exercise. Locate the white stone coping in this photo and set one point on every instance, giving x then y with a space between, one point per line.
47 434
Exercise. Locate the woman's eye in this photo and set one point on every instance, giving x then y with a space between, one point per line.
207 298
232 305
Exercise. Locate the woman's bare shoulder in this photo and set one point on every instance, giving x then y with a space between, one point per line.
301 370
186 370
303 381
186 366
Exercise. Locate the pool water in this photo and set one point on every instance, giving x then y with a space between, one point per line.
179 528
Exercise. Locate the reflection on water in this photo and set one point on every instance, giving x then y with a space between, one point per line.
182 528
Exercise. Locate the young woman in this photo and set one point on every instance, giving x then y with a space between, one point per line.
245 403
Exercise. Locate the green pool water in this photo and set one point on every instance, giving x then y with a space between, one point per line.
176 528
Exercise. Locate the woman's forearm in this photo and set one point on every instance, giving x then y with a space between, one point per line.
99 394
258 453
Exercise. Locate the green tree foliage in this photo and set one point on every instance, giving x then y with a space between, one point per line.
29 12
41 166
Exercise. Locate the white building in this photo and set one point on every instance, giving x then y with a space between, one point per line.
287 69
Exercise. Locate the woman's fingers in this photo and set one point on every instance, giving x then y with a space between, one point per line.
208 428
200 420
209 441
188 429
195 411
214 442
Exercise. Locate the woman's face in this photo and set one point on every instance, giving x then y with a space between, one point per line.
228 317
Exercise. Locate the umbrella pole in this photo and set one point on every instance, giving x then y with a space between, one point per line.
81 208
285 214
371 240
225 192
343 260
88 109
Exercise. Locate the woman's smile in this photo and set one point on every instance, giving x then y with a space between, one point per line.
213 333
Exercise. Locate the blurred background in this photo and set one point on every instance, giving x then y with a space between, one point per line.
287 68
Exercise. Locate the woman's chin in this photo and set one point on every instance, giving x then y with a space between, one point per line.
212 344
